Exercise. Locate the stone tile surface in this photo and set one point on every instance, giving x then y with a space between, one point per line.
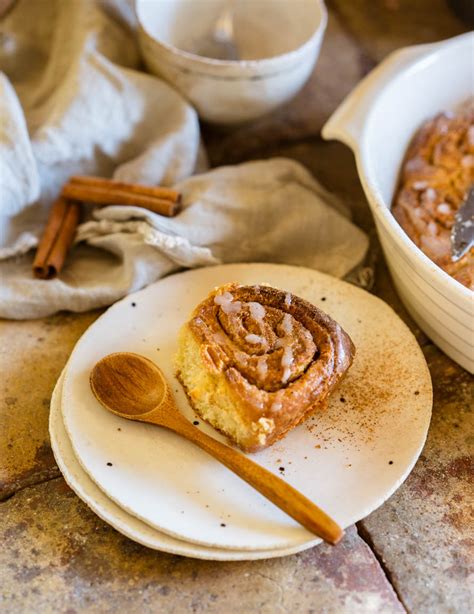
382 26
32 356
57 556
425 533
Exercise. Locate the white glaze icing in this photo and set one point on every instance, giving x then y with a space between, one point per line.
444 208
287 299
287 324
222 299
262 367
287 360
227 304
234 307
257 311
420 185
430 194
251 338
276 405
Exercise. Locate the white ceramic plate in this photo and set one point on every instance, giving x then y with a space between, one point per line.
118 518
348 459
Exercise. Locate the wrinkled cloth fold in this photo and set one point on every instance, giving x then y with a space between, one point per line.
72 100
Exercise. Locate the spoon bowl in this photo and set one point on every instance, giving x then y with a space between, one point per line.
133 387
128 385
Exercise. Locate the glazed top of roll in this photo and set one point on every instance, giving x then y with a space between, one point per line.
276 349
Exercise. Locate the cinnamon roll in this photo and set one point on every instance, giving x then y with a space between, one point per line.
255 361
436 177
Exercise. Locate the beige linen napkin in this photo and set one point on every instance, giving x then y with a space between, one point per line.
265 211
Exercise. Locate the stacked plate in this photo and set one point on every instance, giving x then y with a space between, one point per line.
162 491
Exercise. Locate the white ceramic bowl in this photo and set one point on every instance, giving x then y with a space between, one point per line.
278 41
377 120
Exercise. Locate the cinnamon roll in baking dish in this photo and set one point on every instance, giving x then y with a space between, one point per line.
255 361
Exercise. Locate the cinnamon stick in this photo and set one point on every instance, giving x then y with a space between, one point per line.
114 196
57 237
133 188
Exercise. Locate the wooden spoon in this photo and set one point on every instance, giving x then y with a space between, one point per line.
133 387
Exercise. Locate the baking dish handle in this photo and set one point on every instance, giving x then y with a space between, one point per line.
348 122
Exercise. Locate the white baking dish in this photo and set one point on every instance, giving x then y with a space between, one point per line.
377 121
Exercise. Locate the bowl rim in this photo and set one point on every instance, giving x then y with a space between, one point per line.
261 63
389 73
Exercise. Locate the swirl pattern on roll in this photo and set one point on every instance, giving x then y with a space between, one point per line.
281 356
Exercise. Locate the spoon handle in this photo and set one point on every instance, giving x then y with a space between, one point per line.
269 485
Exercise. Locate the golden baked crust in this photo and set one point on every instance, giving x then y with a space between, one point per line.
255 361
436 176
